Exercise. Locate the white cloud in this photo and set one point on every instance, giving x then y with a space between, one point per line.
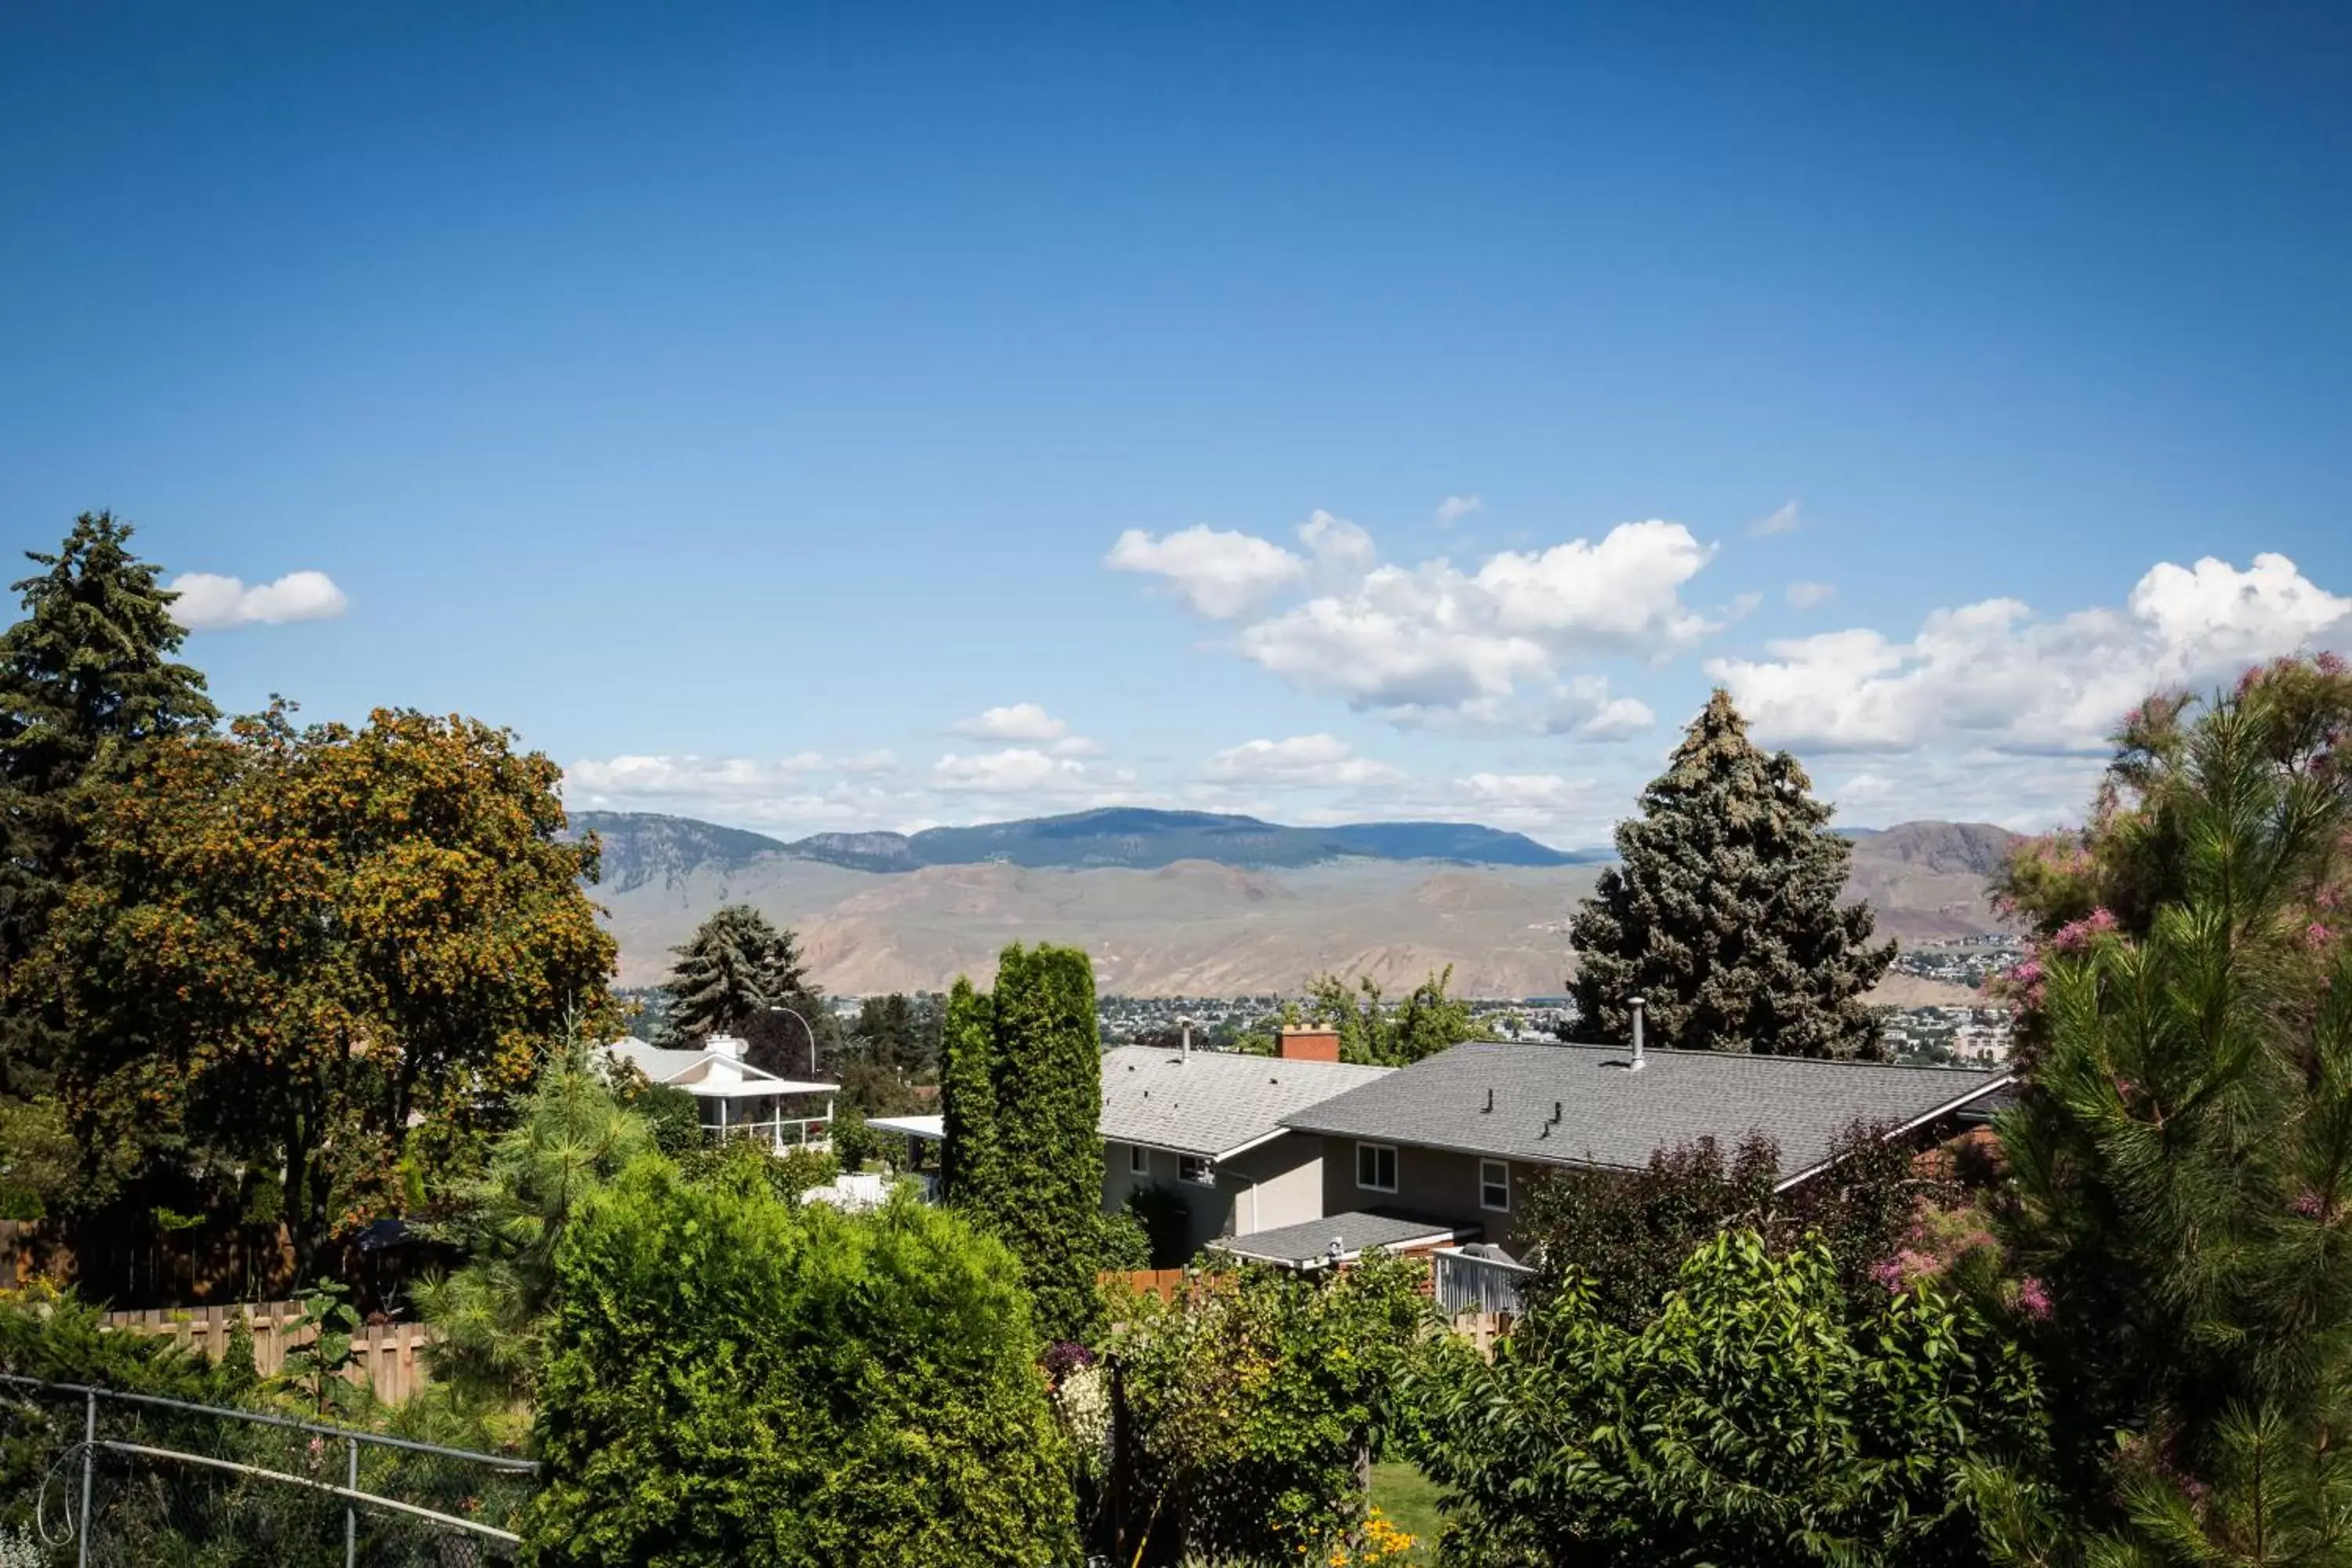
1027 772
1453 508
1339 546
783 793
1220 574
1017 722
1517 790
1617 718
1811 596
1785 520
1313 762
209 602
1435 646
649 777
1550 808
1992 676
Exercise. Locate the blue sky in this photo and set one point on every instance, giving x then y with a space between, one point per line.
742 403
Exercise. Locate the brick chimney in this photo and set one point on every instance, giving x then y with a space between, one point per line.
1308 1044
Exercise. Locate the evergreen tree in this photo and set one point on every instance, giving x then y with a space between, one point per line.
86 678
2130 858
2182 1168
968 1098
736 966
1723 910
491 1315
1047 1199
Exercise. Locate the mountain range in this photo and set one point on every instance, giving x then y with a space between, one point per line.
641 844
1190 903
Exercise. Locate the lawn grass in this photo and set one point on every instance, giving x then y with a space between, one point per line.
1409 1498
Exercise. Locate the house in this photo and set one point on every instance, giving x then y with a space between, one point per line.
1209 1126
735 1098
1450 1144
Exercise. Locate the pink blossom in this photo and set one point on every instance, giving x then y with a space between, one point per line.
2076 935
2032 1299
2310 1205
2316 935
2330 663
1906 1268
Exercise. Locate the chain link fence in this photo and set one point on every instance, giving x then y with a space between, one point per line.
100 1479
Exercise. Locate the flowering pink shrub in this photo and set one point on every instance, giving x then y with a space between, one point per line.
1937 1238
1904 1269
2033 1298
2075 936
2316 935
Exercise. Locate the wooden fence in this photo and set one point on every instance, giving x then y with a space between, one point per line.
1164 1283
142 1265
385 1356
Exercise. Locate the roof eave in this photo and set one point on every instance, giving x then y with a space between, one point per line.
2002 1081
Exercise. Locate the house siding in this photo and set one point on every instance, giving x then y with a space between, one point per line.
1276 1185
1431 1183
1287 1175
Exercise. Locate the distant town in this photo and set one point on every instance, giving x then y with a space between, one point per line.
1936 1034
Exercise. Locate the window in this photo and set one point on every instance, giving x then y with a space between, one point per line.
1494 1186
1376 1167
1197 1169
1139 1159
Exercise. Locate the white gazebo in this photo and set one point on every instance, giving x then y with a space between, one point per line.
736 1098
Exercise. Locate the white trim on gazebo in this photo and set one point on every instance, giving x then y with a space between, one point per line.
719 1073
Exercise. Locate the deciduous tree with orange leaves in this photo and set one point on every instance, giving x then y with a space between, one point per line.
309 950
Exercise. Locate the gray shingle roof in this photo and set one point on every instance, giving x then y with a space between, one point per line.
1309 1241
1614 1117
1212 1103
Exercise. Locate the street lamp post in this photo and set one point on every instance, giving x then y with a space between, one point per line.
809 1028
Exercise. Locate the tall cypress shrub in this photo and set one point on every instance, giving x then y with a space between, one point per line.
1046 1197
1725 912
968 1097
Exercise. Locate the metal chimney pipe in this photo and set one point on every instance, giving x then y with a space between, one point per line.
1636 1005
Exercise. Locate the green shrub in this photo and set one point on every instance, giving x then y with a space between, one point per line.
1126 1244
672 1115
1256 1401
56 1336
1758 1418
852 1144
1166 1220
737 1382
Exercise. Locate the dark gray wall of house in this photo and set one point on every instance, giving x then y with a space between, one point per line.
1275 1184
1431 1183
